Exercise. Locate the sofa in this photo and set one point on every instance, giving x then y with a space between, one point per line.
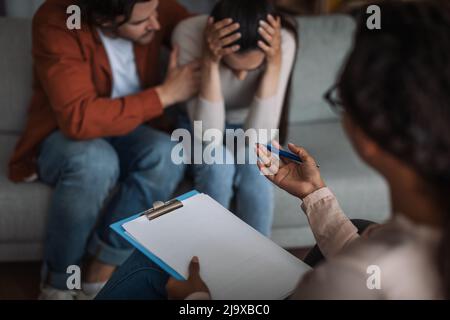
324 44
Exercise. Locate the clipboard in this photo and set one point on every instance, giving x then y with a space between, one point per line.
117 227
237 261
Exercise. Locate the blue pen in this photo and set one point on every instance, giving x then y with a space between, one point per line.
285 154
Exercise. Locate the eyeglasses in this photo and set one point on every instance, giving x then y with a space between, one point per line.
333 99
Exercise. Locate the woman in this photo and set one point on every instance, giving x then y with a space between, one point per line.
394 94
247 53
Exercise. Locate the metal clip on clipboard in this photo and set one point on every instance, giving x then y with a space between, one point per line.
160 208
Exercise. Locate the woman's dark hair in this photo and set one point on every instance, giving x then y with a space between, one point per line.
396 87
98 12
248 13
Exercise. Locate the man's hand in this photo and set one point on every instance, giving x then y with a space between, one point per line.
181 83
300 180
179 290
219 38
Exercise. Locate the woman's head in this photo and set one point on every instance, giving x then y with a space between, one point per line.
248 14
395 90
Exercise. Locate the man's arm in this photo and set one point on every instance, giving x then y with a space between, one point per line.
65 75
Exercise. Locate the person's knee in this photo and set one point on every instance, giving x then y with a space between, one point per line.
155 160
216 175
250 180
94 162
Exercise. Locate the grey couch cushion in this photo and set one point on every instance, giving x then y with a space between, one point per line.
15 73
324 43
23 206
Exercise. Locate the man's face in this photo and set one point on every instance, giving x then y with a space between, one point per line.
143 23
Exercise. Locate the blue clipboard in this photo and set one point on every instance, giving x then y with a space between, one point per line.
117 227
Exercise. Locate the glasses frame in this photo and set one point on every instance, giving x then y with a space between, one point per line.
336 105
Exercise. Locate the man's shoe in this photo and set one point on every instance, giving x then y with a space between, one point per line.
89 290
50 293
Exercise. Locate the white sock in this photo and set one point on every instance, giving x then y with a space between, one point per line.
92 288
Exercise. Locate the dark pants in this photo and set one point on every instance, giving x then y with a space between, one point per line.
315 256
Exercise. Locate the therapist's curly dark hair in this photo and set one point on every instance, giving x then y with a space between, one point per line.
396 87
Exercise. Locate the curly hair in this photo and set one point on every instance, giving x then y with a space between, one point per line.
396 87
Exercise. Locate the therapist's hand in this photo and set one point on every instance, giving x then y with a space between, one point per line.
179 290
299 180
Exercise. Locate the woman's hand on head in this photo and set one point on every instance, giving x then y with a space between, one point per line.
270 31
219 39
299 179
179 290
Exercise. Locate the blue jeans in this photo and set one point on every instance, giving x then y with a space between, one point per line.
137 279
137 167
253 192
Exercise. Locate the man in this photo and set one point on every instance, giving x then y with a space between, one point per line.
94 91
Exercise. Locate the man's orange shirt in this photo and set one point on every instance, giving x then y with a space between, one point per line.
73 83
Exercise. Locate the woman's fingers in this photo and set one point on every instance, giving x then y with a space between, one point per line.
222 23
265 35
231 39
277 145
264 47
264 156
229 50
274 22
302 153
278 20
267 158
194 268
265 171
223 32
267 27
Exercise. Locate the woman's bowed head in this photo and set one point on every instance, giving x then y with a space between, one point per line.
243 44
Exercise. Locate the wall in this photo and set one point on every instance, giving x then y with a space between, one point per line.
26 8
21 8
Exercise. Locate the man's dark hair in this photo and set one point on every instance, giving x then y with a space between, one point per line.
99 12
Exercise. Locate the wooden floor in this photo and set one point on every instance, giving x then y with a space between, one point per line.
20 281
